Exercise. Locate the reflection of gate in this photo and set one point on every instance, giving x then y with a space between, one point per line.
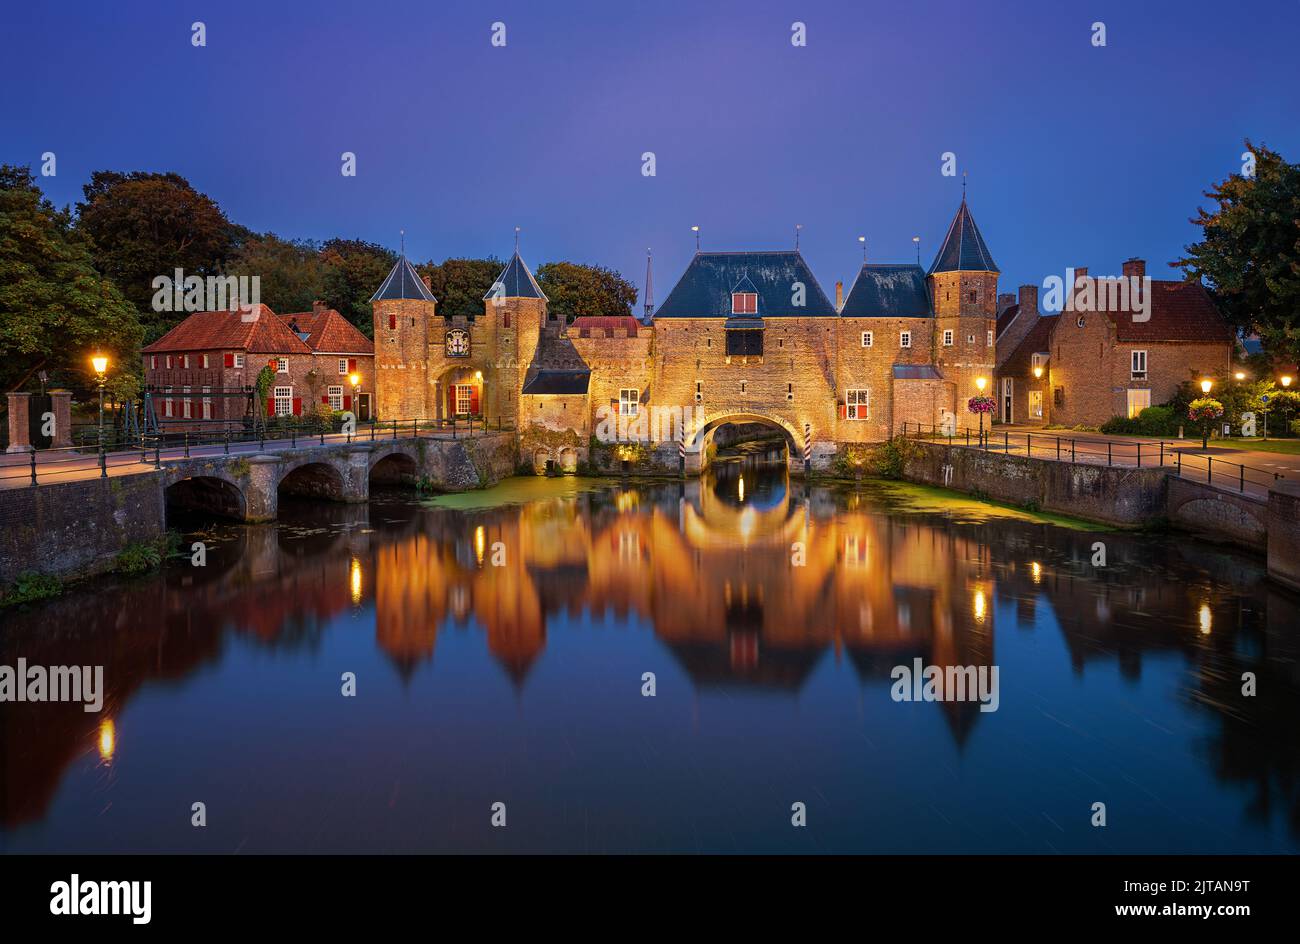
39 405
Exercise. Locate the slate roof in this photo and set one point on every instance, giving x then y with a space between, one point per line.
1038 340
963 248
704 290
1005 319
1180 311
518 281
558 381
328 332
916 372
262 333
403 282
888 291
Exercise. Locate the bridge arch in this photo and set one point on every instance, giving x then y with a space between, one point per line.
697 444
207 494
394 467
313 478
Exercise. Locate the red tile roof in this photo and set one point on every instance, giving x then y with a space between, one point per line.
1180 311
603 324
328 332
256 330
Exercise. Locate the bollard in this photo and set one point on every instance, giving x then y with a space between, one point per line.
1209 470
103 464
187 444
227 440
33 466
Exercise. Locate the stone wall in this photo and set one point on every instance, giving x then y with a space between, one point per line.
1216 514
1284 533
77 528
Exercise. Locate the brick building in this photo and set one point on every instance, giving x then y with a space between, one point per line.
203 371
1093 365
742 337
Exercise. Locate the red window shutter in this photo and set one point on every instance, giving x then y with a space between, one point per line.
270 406
352 364
347 401
505 319
844 412
297 406
473 399
392 322
230 360
325 399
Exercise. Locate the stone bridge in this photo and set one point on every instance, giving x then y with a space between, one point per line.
249 487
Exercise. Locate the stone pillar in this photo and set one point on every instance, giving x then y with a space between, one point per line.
1284 532
356 478
19 405
261 498
63 418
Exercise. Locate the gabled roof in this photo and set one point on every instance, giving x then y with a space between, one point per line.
328 332
517 280
888 291
704 290
1179 311
963 249
1037 340
403 282
558 382
255 330
1004 320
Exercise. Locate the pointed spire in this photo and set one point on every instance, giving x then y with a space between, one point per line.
516 280
963 249
649 287
403 282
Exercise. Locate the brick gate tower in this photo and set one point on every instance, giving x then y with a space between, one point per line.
404 311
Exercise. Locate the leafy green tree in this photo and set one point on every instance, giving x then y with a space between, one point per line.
291 272
144 225
354 269
1249 253
460 284
55 309
575 290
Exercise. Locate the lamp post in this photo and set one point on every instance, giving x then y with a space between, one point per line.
355 380
979 385
1286 409
100 363
1205 430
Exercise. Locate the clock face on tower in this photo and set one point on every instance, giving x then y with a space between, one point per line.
457 343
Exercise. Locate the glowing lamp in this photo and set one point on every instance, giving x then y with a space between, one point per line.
1206 385
100 363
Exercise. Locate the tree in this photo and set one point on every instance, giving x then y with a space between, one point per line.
55 309
145 225
1249 253
354 269
460 284
575 290
291 272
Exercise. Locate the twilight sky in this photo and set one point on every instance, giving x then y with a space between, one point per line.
1076 155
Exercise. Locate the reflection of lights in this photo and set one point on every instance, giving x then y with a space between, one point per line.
747 519
1207 618
480 541
1037 570
107 739
354 579
626 501
979 605
741 487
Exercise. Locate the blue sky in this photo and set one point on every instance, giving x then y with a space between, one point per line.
1076 155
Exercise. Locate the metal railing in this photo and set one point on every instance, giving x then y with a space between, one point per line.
1138 453
186 439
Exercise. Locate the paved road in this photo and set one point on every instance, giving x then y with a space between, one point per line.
70 465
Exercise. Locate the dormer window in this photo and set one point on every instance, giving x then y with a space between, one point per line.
744 303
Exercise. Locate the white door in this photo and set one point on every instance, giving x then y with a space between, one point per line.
1007 388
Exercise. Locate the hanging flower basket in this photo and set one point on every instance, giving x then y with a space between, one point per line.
981 404
1204 409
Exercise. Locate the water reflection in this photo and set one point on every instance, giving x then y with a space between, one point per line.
753 586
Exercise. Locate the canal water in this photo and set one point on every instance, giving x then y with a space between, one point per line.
500 643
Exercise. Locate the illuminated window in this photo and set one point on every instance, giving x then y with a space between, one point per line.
629 402
867 338
857 404
283 401
282 365
905 339
336 397
947 338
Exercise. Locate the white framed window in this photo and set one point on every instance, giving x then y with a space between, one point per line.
464 399
990 338
947 338
185 402
905 339
970 339
283 401
185 361
167 401
153 361
1139 363
207 400
205 362
169 362
335 397
282 365
343 365
629 401
744 303
857 403
239 360
867 338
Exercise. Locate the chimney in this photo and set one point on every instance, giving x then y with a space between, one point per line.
428 283
248 315
1005 301
318 306
1029 301
1080 272
1135 268
839 295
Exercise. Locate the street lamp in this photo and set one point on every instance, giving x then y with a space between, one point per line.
1205 430
100 363
1286 411
979 385
355 380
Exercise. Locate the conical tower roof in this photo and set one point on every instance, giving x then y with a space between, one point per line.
517 280
963 249
403 282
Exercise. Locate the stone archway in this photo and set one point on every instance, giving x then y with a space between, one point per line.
395 468
541 459
313 480
697 445
206 494
569 459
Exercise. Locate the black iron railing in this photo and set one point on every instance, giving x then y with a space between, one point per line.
1138 453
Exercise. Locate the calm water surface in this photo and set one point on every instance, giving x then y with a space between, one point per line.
521 683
